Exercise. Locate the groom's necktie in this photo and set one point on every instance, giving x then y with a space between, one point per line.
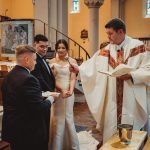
45 63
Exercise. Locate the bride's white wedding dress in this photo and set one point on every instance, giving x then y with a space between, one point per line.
64 136
86 141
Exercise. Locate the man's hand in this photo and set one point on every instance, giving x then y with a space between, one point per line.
55 96
126 77
74 68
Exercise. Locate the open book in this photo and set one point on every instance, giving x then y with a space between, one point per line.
48 93
120 70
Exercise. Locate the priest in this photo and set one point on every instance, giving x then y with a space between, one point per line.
110 97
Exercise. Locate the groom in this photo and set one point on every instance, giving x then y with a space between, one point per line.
42 70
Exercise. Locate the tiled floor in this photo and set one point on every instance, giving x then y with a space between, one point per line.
84 119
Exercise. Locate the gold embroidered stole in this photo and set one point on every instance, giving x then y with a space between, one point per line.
119 87
120 83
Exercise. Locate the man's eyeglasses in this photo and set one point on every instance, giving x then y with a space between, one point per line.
43 46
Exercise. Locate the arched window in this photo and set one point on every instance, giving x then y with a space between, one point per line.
75 6
147 8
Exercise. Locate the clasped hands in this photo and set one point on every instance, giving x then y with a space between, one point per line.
66 93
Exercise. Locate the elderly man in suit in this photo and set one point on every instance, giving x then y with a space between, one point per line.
24 123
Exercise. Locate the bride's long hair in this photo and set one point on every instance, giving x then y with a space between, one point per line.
64 42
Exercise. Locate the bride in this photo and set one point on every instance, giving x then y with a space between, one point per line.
64 134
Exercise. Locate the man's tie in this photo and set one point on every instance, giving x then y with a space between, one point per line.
44 57
44 60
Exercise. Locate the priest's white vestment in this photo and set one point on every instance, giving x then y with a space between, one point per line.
100 90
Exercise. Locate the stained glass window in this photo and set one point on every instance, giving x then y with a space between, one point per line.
148 7
75 6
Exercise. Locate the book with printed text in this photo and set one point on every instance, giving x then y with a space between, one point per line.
120 70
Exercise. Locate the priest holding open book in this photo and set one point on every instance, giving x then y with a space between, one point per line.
110 96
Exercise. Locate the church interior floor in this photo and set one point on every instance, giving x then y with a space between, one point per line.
84 120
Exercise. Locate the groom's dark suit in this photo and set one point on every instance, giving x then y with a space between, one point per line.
24 119
44 74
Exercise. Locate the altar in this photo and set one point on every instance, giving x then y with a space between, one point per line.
137 142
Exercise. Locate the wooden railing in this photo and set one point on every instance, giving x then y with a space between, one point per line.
146 41
81 52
